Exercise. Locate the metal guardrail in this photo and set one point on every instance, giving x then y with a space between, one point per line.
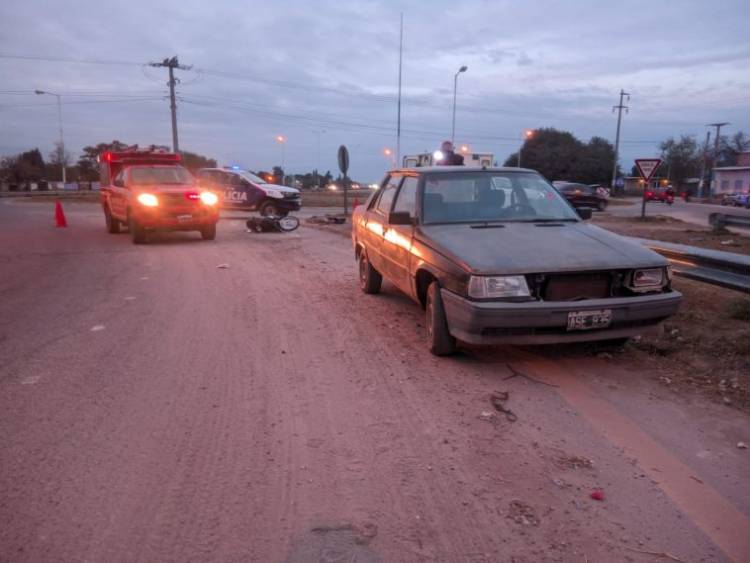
721 220
725 269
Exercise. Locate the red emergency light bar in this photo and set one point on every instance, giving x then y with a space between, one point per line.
143 155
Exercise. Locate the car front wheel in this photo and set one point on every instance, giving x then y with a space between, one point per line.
441 341
137 233
271 209
370 279
113 225
208 232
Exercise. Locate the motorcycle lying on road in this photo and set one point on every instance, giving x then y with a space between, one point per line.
271 223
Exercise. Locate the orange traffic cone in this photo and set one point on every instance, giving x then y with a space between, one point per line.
59 215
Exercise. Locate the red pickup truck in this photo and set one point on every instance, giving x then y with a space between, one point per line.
148 190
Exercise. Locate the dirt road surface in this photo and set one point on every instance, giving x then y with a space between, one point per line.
156 407
695 213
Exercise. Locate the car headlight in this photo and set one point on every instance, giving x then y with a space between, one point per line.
487 287
149 200
274 193
209 198
650 278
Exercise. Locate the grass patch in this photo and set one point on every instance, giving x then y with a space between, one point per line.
739 310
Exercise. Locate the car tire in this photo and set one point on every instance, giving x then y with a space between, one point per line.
137 233
209 232
370 280
441 342
113 225
269 209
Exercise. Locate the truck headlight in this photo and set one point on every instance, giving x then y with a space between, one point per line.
149 200
487 287
648 278
209 198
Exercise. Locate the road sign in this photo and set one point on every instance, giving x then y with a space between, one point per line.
343 159
647 166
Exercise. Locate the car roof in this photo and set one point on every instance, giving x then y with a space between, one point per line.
450 169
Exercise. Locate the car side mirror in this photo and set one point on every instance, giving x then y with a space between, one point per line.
399 218
585 213
119 183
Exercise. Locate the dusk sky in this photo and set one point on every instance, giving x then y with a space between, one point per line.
293 68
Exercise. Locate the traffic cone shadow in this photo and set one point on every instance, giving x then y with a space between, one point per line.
60 220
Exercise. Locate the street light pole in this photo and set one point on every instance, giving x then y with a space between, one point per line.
62 140
317 166
455 90
526 135
281 139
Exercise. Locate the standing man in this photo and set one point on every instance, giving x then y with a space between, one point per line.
450 158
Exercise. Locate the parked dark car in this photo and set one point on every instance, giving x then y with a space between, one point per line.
582 195
499 256
736 200
244 191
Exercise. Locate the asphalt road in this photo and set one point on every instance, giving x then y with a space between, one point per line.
156 407
695 213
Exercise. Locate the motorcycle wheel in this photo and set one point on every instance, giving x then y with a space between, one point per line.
287 224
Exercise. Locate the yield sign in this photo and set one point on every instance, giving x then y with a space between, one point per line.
647 166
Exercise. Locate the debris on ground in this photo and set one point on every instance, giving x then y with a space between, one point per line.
729 242
604 355
597 494
741 445
574 462
522 513
327 219
97 328
223 266
487 415
498 400
661 554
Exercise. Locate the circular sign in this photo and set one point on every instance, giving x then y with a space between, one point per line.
343 159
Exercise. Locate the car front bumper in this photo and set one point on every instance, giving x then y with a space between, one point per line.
176 219
545 322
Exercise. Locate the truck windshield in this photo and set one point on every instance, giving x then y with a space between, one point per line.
469 197
149 175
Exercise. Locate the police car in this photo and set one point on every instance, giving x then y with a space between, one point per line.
244 191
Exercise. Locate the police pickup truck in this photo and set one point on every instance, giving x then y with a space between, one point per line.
244 191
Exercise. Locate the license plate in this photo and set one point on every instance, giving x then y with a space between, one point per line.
184 218
588 320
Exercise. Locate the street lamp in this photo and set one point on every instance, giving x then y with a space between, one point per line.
455 88
281 140
528 134
388 153
62 142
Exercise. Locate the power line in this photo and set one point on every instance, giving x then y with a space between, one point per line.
66 60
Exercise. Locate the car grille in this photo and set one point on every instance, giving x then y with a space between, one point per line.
176 200
576 287
288 195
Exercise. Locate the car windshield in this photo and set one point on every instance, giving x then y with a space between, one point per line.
149 175
249 176
469 197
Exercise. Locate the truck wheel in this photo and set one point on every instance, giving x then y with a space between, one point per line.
269 209
113 225
370 279
208 232
137 233
441 341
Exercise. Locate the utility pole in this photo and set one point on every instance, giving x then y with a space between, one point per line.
398 111
619 109
703 164
62 139
455 90
172 64
716 152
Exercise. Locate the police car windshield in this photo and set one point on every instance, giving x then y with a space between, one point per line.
251 177
483 196
149 175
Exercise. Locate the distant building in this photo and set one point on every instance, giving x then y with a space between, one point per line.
733 179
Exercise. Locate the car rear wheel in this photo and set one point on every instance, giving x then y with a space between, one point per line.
441 341
137 233
208 232
370 279
113 225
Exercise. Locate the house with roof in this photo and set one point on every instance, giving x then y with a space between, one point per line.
732 179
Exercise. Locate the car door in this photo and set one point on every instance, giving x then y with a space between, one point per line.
376 218
118 196
397 239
